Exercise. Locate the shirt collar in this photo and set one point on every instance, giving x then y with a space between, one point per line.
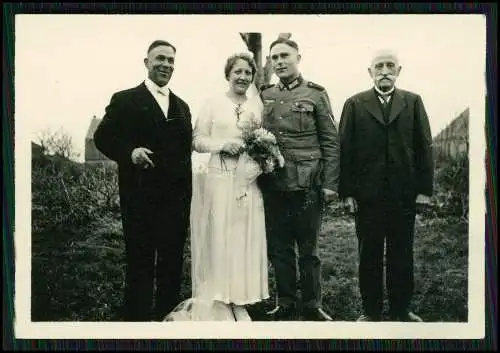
296 82
380 93
155 89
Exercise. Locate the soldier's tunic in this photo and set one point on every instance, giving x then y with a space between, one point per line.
300 117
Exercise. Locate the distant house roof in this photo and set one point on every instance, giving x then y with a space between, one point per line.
92 154
94 123
36 149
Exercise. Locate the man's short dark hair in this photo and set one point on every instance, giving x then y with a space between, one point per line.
158 43
288 42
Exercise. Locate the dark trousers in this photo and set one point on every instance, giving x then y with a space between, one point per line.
155 237
294 218
391 223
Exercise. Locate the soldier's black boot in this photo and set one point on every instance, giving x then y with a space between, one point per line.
284 313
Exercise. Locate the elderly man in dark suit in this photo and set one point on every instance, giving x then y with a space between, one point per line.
386 170
147 130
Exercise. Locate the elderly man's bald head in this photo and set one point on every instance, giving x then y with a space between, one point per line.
384 54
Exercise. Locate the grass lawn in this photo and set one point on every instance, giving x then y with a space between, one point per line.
79 276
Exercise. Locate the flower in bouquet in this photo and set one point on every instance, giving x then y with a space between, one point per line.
261 153
247 122
261 146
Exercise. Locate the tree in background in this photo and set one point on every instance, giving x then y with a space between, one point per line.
58 143
253 41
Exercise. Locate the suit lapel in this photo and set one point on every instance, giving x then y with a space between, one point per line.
173 106
148 104
397 106
372 105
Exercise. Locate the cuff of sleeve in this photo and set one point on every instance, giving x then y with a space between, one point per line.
344 194
425 189
127 154
425 192
330 186
217 146
204 145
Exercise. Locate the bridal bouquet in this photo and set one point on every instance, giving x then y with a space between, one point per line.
261 153
261 146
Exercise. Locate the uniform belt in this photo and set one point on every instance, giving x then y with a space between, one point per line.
298 134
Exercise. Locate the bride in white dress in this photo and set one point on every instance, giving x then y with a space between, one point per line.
228 241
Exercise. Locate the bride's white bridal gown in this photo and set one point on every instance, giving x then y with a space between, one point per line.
228 240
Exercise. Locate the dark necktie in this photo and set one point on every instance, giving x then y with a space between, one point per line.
385 98
385 106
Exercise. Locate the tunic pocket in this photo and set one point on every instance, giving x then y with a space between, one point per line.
305 112
307 165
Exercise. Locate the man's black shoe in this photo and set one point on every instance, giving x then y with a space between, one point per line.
315 314
368 318
288 313
405 317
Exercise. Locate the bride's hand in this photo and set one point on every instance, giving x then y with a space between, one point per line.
233 147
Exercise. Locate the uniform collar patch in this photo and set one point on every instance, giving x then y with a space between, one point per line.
282 86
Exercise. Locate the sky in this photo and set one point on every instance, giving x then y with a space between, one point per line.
68 66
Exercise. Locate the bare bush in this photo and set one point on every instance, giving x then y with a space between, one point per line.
102 179
67 195
57 143
58 201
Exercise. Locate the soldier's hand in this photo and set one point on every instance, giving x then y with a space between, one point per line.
140 156
351 204
423 203
423 199
329 195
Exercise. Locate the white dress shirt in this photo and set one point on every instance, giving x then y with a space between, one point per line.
387 95
161 94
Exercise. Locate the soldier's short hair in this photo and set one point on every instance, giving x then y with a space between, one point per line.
158 43
288 42
234 58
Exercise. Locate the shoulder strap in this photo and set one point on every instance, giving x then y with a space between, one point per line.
264 87
315 86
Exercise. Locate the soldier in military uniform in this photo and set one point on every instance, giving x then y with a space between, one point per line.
298 112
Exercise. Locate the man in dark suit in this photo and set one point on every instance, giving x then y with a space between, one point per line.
386 169
147 130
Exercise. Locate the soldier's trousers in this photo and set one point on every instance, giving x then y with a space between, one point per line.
390 223
294 217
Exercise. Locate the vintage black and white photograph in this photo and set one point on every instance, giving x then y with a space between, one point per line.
233 176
